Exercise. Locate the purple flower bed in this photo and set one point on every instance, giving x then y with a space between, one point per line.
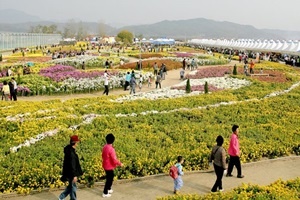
19 89
60 72
200 88
210 72
178 54
23 89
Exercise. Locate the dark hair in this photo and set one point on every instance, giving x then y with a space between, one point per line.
220 140
110 138
179 158
234 127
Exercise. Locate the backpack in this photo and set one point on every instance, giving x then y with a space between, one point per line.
173 172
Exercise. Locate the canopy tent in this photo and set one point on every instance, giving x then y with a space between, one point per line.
250 44
163 41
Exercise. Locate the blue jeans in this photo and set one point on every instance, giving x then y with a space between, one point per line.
132 89
178 183
71 189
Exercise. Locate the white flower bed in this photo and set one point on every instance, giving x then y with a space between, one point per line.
77 59
219 82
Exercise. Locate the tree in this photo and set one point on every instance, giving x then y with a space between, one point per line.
125 37
101 29
52 29
234 70
81 32
206 87
188 86
70 29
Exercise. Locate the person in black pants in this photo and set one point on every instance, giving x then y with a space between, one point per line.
218 155
234 152
106 83
109 163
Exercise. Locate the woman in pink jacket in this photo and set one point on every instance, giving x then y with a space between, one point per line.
109 163
234 152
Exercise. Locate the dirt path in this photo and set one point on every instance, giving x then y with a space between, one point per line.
172 78
148 188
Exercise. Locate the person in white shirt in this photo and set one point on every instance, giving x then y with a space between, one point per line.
14 94
106 83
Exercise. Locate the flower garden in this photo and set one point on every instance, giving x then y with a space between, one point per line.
151 129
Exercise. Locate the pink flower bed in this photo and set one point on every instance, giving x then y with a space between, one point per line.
178 54
60 72
210 72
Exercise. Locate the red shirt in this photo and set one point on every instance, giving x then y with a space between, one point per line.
234 147
109 158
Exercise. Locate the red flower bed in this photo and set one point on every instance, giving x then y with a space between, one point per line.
169 63
28 59
148 55
274 76
208 72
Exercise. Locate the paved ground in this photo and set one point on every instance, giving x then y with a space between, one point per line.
262 173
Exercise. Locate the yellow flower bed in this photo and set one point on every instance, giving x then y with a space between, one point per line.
288 190
146 144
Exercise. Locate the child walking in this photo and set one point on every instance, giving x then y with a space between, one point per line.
178 183
109 163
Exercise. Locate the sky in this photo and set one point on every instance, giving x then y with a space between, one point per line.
270 14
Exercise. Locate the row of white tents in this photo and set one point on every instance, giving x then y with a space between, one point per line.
158 41
291 47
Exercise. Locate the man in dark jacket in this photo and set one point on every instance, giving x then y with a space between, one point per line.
71 168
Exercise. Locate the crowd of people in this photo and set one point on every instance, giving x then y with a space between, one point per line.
9 90
72 168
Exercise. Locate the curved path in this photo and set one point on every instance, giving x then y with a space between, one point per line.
172 78
149 188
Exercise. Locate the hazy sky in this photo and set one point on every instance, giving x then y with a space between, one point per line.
275 14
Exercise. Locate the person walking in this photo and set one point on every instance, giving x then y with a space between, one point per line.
106 83
158 81
132 84
127 80
141 82
218 155
155 69
5 91
14 82
184 64
178 183
109 163
251 67
71 169
234 152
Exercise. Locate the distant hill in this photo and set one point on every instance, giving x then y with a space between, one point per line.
17 21
289 35
91 27
200 28
11 16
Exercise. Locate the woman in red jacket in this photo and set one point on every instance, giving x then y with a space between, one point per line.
109 163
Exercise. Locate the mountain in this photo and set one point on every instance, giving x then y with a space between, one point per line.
90 27
288 35
17 21
14 16
200 28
